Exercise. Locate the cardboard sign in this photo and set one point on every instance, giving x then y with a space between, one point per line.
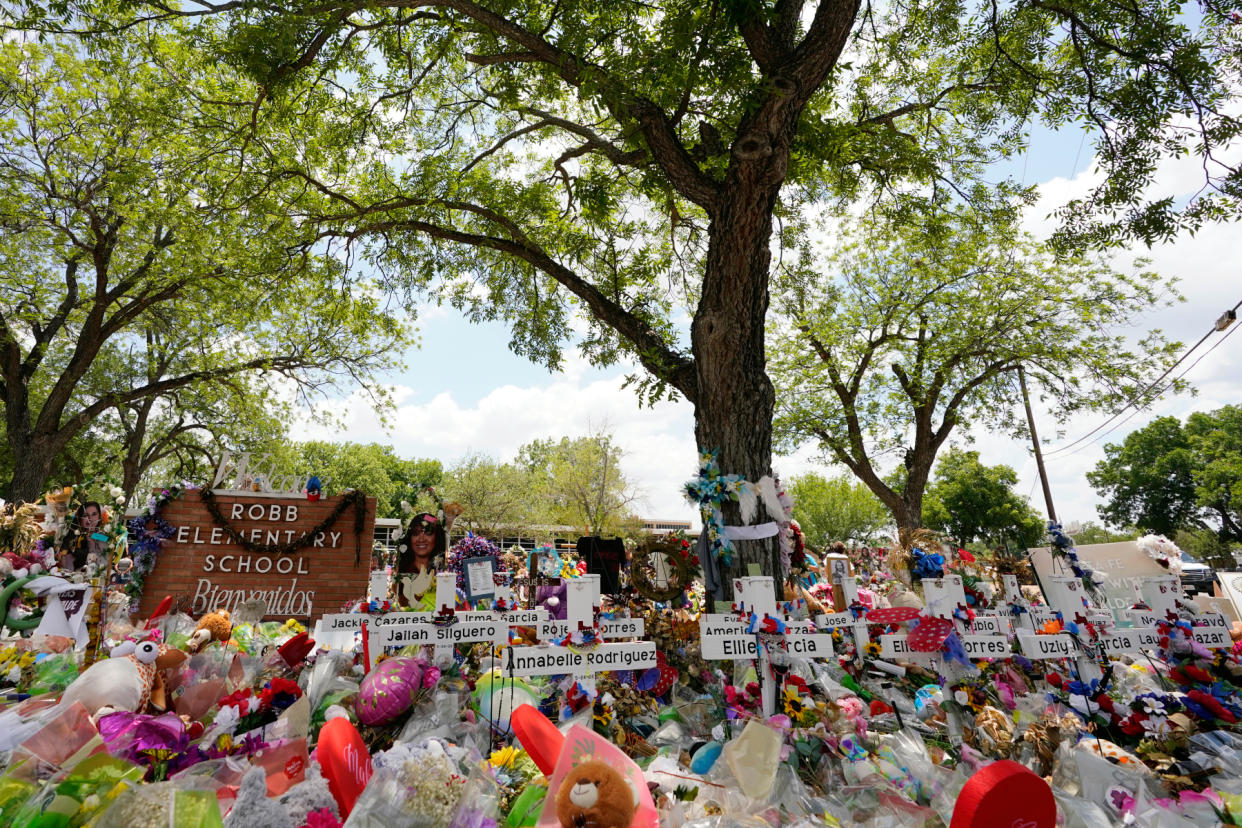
204 564
1123 565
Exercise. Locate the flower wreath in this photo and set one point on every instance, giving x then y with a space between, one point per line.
469 547
677 552
1163 551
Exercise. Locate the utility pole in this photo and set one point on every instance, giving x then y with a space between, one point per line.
1039 455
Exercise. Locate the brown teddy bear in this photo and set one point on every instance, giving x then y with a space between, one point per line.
594 795
214 626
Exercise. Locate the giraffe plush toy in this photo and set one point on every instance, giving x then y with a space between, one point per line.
129 680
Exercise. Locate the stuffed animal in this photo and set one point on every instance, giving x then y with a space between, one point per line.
214 626
594 795
129 680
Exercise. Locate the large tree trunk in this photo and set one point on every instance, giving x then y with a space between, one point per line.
33 460
734 403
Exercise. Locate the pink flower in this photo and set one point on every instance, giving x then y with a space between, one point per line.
321 819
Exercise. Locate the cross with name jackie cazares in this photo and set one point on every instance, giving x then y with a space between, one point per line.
752 631
582 653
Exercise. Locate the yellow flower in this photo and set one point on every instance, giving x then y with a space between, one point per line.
293 627
794 705
504 758
872 648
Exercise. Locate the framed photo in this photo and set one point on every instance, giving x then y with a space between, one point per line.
479 577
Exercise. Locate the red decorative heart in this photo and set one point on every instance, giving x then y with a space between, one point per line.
1005 795
539 737
930 634
892 615
345 761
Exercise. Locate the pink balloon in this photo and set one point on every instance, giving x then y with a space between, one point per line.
345 761
388 690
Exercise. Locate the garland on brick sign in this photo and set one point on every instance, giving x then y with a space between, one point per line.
355 499
147 533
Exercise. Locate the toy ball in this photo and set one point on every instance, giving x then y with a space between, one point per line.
497 697
388 690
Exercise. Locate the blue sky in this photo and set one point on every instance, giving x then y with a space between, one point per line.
464 391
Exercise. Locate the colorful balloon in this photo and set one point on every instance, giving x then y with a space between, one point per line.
389 690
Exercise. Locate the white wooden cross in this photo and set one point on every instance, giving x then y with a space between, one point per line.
1163 594
1067 595
400 629
726 637
583 662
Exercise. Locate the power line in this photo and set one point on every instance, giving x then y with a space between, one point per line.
1179 376
1137 402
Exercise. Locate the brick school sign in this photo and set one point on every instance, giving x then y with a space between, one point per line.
204 562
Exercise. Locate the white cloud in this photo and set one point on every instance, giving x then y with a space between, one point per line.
658 442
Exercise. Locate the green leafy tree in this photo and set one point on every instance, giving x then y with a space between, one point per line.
1217 441
496 496
1091 532
830 509
1167 477
969 502
625 163
127 215
371 468
1149 479
580 481
903 334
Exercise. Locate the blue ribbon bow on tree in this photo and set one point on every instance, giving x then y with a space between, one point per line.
927 564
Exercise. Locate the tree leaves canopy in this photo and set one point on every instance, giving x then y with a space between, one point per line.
969 501
900 335
139 261
1167 476
830 509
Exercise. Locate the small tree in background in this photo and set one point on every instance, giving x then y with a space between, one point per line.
830 509
971 502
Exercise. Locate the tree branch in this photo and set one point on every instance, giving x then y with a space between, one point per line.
647 344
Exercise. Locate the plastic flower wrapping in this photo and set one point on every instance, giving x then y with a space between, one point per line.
880 700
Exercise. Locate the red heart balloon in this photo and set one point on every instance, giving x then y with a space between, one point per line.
1005 794
539 737
892 615
345 761
930 634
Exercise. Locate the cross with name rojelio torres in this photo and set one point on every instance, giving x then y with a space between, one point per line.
753 629
582 653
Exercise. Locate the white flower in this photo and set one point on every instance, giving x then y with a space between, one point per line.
1153 707
1157 726
406 507
120 499
115 491
718 733
961 697
226 720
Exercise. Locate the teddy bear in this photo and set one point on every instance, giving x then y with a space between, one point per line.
214 626
594 794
